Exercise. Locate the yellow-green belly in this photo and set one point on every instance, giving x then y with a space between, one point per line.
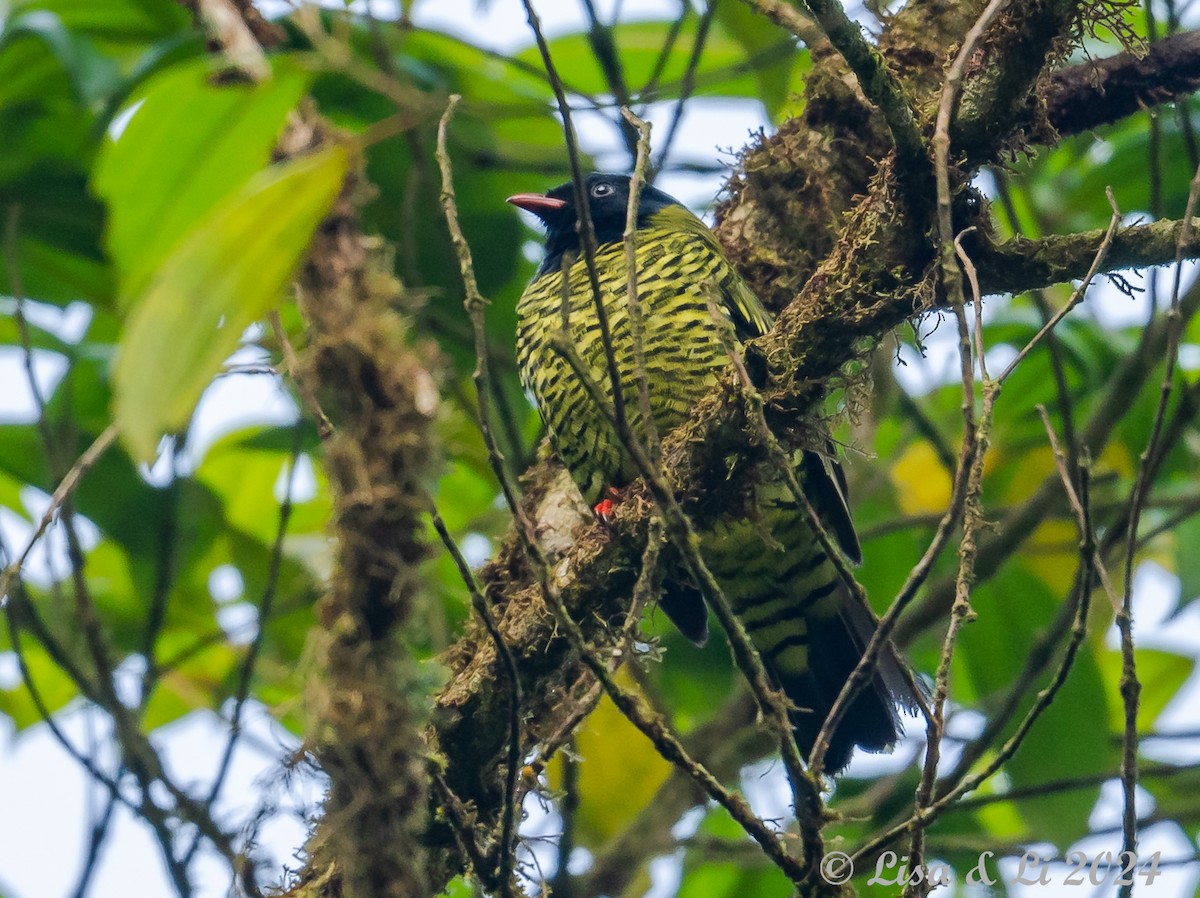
678 278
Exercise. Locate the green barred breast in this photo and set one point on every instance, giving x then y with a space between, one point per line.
681 273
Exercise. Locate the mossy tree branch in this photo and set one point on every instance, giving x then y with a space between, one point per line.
1103 91
1022 264
366 697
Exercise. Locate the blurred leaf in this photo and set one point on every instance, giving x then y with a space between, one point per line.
189 144
198 682
923 485
1187 560
695 681
460 887
245 480
31 74
711 879
705 875
114 19
1177 796
57 247
91 73
225 274
620 773
490 83
53 686
762 38
726 68
1162 674
1013 609
1067 184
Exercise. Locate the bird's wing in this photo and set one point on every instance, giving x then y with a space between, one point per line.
824 479
825 484
749 316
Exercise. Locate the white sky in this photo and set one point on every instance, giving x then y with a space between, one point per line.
41 844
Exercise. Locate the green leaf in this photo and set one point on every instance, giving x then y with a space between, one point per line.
726 68
226 274
1013 610
1187 560
760 38
115 19
1176 796
189 144
705 878
54 688
1162 675
92 74
194 683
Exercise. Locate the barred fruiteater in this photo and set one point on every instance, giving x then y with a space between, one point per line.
805 623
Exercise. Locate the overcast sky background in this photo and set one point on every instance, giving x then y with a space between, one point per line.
43 837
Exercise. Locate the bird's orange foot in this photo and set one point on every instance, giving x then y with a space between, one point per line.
604 507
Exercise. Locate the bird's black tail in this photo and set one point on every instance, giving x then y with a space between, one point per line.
835 646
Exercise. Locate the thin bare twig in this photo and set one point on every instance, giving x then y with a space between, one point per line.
687 84
96 838
587 230
61 494
660 62
678 526
291 362
786 469
568 808
265 606
1066 407
1081 600
475 307
636 323
975 434
1130 686
604 48
504 864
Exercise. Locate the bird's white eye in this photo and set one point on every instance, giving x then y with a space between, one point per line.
601 189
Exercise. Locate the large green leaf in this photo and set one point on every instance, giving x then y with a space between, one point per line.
114 19
189 144
223 276
725 67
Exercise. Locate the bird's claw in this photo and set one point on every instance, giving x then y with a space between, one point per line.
604 508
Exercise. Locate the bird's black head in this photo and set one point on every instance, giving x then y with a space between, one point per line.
607 199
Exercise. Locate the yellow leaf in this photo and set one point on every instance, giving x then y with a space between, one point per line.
618 776
1052 553
1030 470
923 485
1116 457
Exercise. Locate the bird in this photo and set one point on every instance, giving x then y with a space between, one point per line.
809 627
